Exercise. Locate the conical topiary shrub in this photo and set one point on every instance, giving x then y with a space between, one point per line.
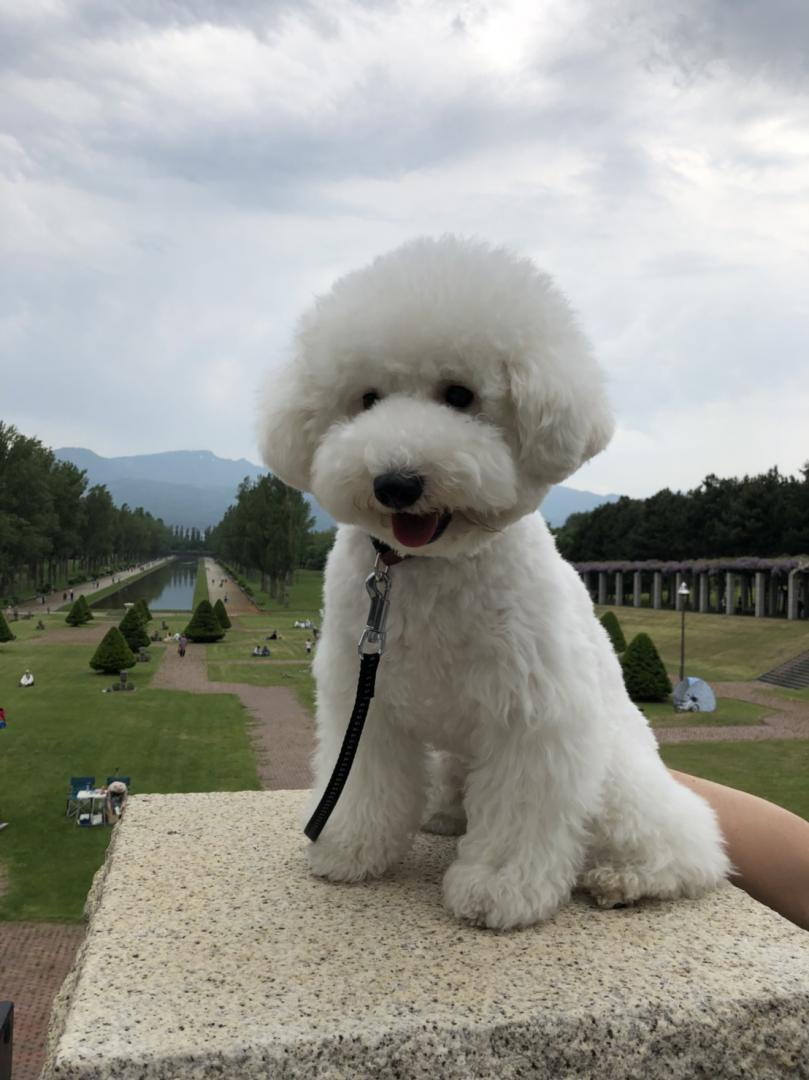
113 654
5 630
645 675
131 626
610 623
143 608
220 611
85 607
204 625
79 613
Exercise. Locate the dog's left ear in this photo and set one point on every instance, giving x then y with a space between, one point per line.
563 413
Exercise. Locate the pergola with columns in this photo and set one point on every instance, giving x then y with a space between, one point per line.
771 588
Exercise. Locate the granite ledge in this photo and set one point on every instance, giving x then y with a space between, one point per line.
211 952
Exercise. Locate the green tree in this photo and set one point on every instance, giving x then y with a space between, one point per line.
84 607
204 625
131 627
265 530
143 610
5 631
317 546
609 621
79 613
113 654
220 611
99 527
645 674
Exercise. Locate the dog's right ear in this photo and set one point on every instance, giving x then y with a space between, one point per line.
288 426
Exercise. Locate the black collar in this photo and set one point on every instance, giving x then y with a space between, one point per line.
386 553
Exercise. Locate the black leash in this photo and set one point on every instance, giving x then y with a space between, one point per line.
334 788
371 646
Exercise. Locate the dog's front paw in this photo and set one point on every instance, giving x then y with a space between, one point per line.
350 856
500 899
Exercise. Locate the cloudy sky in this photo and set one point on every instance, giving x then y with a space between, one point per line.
179 177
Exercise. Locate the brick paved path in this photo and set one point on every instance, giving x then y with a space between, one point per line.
36 957
34 960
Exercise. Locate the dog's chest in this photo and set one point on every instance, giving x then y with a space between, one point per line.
444 640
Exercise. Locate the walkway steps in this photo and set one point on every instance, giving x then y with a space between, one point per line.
794 674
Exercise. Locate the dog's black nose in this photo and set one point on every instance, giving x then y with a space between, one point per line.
398 490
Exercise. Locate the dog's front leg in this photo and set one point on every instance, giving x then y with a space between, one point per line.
380 807
528 799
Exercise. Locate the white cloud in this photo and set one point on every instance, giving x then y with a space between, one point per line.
177 180
682 444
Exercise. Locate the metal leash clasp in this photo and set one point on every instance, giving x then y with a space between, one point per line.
377 585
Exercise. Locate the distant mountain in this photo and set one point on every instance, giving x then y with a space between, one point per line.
198 467
195 487
183 487
561 502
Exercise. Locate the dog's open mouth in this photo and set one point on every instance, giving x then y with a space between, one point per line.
416 530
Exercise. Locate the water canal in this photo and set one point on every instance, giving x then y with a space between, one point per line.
169 588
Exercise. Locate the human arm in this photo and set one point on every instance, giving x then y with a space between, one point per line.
768 846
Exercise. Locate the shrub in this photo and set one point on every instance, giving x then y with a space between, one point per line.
204 625
610 623
645 675
85 607
113 654
131 626
79 613
142 607
5 631
220 611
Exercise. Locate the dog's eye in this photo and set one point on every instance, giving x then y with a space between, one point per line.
369 399
458 397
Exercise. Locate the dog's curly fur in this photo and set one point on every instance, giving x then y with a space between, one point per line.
498 679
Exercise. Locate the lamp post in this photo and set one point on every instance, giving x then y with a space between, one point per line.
683 592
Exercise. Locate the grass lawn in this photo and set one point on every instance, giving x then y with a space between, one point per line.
722 648
791 695
774 770
305 594
200 586
166 741
728 712
296 676
288 665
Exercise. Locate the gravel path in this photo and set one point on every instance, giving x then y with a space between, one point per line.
788 719
282 732
55 601
221 586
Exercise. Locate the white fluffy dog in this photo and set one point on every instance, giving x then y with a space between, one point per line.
433 399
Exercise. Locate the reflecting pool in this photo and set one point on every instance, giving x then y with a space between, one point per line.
169 588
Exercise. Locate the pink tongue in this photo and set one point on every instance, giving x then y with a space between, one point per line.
414 530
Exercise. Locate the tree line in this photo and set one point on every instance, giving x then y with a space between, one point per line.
52 526
765 515
190 538
269 530
54 530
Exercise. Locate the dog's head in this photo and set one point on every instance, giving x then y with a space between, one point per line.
435 396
